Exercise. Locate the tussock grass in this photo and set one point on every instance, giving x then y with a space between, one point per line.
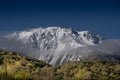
16 67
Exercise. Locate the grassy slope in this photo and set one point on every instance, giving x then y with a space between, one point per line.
19 67
97 70
16 67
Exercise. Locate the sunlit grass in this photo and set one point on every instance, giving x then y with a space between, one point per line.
16 67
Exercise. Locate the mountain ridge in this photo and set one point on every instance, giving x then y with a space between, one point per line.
58 46
58 32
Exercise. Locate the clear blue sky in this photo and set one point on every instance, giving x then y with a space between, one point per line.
98 16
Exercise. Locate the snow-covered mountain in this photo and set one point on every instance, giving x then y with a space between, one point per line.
56 37
56 45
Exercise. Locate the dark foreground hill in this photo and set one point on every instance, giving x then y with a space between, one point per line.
16 67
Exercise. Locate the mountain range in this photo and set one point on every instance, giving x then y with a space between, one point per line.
57 46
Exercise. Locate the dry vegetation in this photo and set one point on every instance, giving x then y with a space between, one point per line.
16 67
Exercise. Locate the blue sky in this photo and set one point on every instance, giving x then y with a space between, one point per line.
98 16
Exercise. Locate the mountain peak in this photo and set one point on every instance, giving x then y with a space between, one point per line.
56 38
54 43
59 34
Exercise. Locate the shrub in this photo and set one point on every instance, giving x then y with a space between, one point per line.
22 75
58 77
